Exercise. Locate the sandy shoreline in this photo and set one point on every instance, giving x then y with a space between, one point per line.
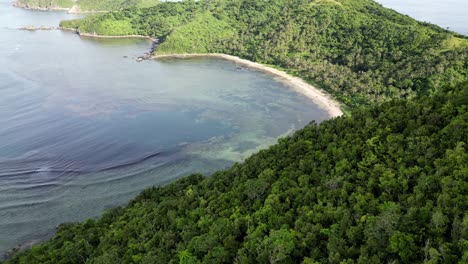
322 99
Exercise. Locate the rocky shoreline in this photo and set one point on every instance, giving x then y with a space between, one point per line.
147 55
19 248
34 28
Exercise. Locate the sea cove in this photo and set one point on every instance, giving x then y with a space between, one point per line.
84 127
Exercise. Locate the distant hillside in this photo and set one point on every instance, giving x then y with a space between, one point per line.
357 50
45 4
86 5
387 185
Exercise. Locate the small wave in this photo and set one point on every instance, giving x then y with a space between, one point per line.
5 207
40 170
28 165
119 177
41 186
130 163
11 168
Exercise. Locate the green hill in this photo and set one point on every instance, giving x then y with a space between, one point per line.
87 5
387 185
357 50
45 4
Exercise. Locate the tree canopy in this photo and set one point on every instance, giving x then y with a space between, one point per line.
88 5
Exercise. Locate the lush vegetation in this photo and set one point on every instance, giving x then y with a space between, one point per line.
88 5
387 185
197 36
161 20
47 4
109 5
357 50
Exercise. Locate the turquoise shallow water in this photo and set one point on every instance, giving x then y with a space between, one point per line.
84 127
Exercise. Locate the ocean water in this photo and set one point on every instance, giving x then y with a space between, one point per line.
84 127
451 14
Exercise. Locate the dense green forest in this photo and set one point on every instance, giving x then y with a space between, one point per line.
88 5
46 4
357 50
388 184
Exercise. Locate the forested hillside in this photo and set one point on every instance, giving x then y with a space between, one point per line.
45 4
357 50
387 185
87 5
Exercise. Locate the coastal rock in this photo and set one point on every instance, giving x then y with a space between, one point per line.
19 248
34 28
